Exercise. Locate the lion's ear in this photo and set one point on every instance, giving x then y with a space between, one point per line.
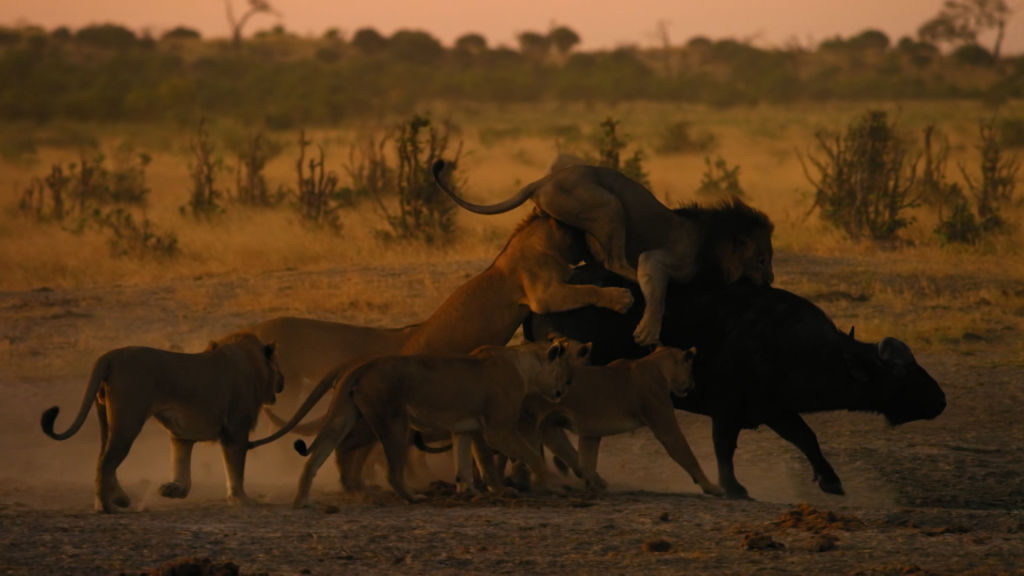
269 349
584 351
557 349
689 353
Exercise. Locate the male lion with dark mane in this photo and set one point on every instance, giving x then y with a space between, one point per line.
211 395
636 236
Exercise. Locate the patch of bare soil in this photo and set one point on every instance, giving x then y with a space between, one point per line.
938 497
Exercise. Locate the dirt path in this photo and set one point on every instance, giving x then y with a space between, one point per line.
940 497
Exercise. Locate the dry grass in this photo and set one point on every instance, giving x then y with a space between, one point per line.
764 141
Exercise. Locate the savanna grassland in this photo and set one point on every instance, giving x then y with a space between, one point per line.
937 497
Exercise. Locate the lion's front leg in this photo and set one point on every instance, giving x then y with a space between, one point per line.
653 276
181 463
463 454
589 446
551 294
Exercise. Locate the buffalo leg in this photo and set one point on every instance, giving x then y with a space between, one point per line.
725 435
794 430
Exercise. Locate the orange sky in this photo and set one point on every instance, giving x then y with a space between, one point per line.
600 23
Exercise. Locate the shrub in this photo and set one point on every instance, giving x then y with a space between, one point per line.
250 183
610 147
424 212
204 199
137 240
994 189
865 178
677 137
719 180
317 197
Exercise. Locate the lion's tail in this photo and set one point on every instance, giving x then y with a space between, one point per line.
500 207
304 429
325 384
100 372
349 417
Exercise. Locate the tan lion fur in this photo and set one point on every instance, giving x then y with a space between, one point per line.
211 395
614 399
479 393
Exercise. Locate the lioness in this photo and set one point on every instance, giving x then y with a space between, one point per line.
528 275
480 392
211 395
614 399
634 234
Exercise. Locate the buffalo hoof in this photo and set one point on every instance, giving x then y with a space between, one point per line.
735 491
173 490
833 486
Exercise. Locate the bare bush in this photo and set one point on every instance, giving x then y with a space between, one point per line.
317 197
865 178
424 212
250 183
993 189
205 198
135 239
610 147
719 180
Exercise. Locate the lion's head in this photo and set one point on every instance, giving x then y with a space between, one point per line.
676 366
737 240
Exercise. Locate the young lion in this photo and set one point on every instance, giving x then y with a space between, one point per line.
212 395
465 394
634 234
613 399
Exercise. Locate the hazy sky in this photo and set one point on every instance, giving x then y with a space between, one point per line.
600 23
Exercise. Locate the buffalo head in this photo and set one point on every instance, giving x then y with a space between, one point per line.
908 392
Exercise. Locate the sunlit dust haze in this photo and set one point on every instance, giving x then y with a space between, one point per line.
601 24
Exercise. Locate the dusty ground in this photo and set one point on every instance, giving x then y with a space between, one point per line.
939 497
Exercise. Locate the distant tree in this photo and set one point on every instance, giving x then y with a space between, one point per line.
111 36
920 54
255 7
961 21
973 55
369 41
563 39
181 33
61 33
699 43
870 39
332 34
534 45
471 43
415 46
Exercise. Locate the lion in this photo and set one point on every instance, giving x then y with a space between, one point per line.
528 275
613 399
211 395
634 235
465 394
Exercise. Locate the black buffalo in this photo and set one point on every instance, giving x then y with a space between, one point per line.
764 356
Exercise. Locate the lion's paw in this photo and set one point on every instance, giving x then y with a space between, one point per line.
647 333
597 484
620 299
173 490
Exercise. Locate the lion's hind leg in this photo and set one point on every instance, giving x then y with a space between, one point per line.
330 437
122 429
593 209
235 452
